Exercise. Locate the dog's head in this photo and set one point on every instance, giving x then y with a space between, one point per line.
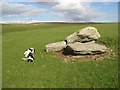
32 50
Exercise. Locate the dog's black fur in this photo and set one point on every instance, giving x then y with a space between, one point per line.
30 56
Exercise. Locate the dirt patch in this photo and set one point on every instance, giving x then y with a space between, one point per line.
78 58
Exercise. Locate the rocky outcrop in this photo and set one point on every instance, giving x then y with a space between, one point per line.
57 46
80 42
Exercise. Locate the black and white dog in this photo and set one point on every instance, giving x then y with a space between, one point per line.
29 55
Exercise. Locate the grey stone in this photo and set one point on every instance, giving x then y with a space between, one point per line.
84 48
87 34
57 46
72 38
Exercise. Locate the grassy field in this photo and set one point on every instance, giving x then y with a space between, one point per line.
49 71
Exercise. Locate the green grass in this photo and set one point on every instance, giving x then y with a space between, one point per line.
51 72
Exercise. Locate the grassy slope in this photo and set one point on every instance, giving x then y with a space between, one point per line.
50 71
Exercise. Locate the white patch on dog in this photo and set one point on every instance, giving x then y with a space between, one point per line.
26 53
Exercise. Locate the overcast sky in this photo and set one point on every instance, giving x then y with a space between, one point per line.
18 11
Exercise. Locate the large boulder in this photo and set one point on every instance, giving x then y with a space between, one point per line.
57 46
87 34
78 48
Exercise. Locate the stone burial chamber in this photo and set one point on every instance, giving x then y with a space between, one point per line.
81 42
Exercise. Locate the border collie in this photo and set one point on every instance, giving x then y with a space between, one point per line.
29 55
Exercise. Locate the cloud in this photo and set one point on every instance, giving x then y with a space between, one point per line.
17 9
12 21
73 11
76 10
26 20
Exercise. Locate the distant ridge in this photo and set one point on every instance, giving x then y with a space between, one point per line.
59 22
73 22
